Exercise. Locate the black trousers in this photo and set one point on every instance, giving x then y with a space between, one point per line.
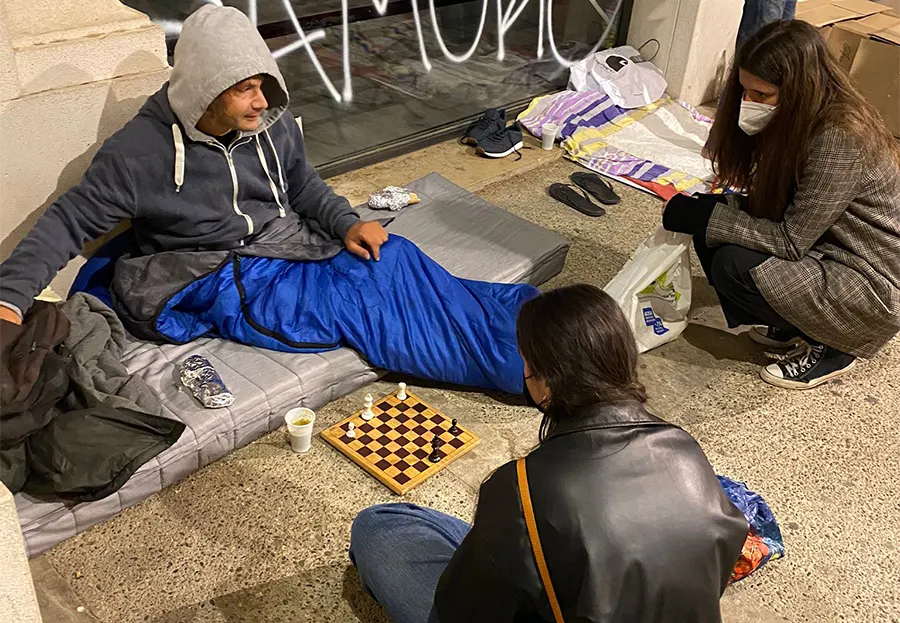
728 270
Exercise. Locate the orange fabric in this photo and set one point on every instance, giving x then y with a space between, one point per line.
535 538
664 191
752 555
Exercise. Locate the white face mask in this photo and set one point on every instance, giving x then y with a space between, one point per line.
755 117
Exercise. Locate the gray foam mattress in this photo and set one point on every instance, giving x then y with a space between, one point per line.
468 236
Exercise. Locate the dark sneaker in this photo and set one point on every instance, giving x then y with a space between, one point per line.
807 367
491 121
502 142
773 337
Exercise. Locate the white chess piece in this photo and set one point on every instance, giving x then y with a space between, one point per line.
401 394
368 414
351 430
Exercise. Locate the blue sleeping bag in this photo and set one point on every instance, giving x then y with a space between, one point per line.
404 313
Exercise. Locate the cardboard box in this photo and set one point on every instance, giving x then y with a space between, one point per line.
845 38
876 73
867 46
823 13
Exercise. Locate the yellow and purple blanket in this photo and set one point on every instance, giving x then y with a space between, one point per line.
656 145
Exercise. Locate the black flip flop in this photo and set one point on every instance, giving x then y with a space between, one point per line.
597 186
575 198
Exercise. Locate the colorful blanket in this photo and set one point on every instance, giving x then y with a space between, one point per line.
658 144
764 541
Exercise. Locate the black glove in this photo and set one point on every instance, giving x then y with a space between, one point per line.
690 215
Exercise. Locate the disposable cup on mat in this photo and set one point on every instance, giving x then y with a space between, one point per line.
300 428
549 132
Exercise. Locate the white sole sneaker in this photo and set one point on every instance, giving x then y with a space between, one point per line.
758 335
514 148
772 377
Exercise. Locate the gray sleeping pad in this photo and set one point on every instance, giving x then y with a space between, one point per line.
467 235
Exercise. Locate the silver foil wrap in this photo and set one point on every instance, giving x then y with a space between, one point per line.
199 376
390 198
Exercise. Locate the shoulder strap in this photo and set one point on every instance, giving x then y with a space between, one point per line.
535 539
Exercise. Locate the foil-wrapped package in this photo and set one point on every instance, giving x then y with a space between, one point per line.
199 376
392 198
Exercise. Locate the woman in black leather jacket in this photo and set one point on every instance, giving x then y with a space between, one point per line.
633 523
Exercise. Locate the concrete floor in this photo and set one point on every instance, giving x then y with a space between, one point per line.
261 536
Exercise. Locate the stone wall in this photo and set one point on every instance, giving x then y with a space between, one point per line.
696 42
71 74
18 603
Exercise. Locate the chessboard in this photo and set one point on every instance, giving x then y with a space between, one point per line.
396 445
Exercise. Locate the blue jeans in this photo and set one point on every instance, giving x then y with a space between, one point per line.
758 13
401 550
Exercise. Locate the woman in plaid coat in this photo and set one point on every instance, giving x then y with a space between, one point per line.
812 252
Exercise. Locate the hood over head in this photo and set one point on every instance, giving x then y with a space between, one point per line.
219 47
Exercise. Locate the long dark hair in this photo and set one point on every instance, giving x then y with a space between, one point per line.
577 340
813 91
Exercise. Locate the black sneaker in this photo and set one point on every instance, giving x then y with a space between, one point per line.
773 337
492 120
502 142
807 367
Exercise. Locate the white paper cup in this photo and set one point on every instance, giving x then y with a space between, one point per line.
301 435
549 132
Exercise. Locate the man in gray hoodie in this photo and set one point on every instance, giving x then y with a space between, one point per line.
236 235
219 121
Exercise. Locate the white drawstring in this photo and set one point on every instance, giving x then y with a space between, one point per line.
179 157
179 164
265 166
277 162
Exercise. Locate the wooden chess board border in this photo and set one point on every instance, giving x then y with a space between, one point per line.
334 435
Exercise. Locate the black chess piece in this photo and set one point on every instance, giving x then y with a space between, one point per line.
454 429
435 449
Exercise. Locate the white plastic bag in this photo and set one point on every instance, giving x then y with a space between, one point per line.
622 73
654 288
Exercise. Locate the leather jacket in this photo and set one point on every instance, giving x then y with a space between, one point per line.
634 526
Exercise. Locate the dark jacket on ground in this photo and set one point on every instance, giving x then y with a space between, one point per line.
32 375
184 190
634 524
73 423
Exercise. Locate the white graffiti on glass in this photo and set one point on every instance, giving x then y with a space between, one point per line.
506 17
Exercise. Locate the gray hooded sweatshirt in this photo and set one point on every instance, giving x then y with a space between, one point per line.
184 190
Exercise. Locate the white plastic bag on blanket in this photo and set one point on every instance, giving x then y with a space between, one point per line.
654 288
622 73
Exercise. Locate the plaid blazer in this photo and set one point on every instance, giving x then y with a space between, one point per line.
835 266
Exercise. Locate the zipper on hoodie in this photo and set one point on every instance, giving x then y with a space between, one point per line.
234 181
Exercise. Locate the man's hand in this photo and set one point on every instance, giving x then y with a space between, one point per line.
9 315
365 239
